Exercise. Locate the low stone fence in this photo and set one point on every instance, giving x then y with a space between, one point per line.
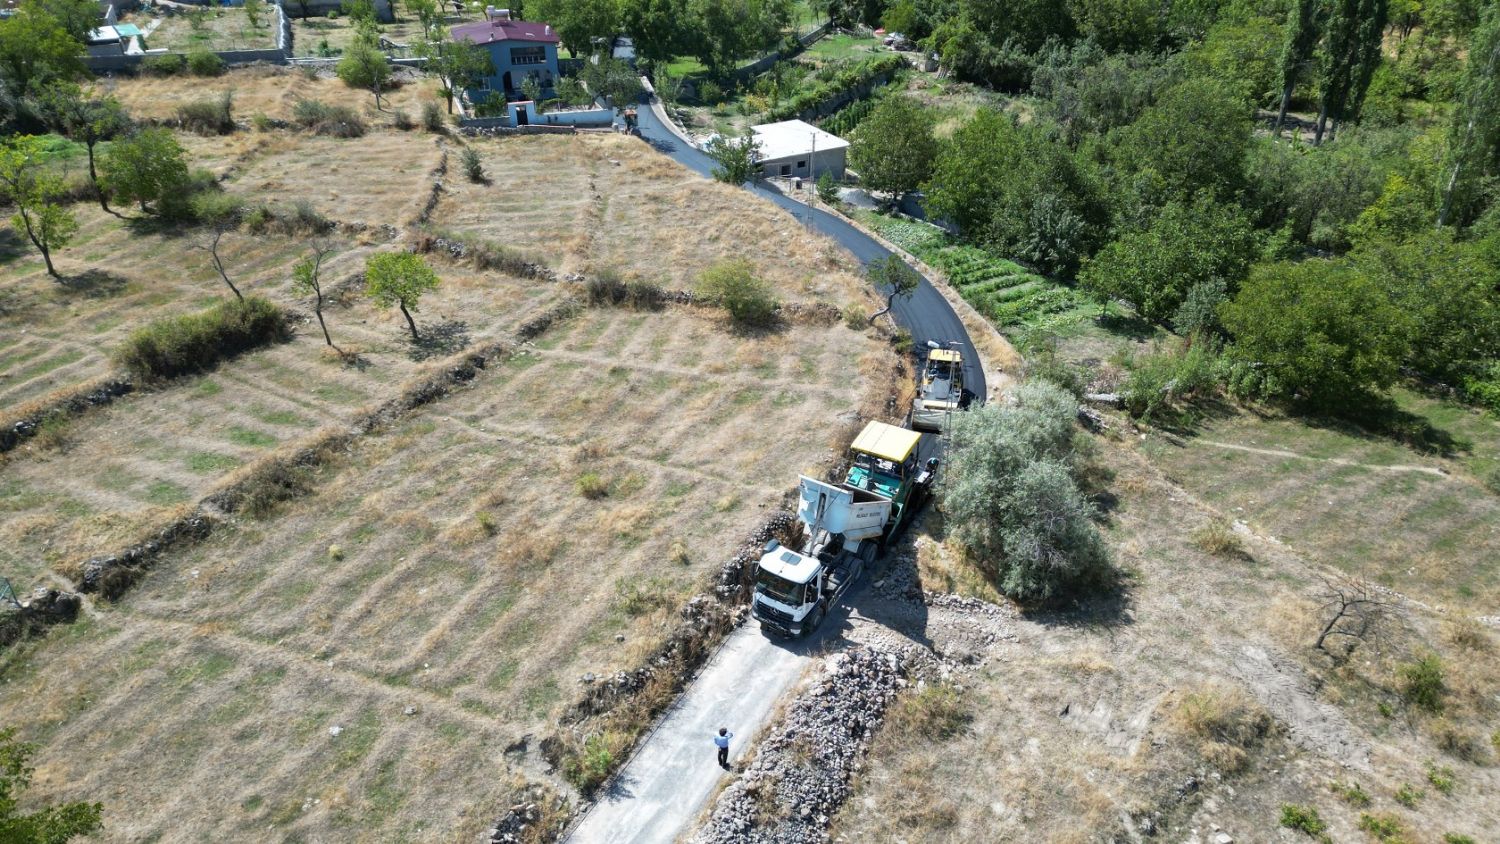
275 55
765 63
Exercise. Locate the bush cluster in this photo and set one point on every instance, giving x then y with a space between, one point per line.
608 288
321 118
1010 492
166 64
208 117
298 218
204 63
845 80
190 343
734 286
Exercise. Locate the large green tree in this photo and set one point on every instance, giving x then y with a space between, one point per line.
894 148
36 47
400 279
1449 290
148 166
658 28
1350 54
1019 189
1193 139
579 22
1303 27
458 65
1474 135
27 183
48 825
723 32
1318 331
1186 245
86 119
1010 498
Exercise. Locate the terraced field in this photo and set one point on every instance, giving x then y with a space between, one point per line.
379 659
1002 290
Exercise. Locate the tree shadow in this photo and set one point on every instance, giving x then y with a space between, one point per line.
440 340
1107 606
1385 420
95 283
12 245
1128 326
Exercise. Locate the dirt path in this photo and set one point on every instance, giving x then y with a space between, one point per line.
673 773
1338 461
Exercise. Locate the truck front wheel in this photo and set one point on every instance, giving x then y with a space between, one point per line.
814 619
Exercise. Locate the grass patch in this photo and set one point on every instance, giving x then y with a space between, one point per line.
1384 827
1422 683
1304 819
592 485
1351 792
250 437
1218 539
1226 723
935 712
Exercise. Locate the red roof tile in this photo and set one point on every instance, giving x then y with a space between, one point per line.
486 32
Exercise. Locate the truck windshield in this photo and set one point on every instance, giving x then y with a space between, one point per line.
779 588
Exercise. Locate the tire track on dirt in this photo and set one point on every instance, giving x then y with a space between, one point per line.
1337 461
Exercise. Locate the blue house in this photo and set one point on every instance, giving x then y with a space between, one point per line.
518 49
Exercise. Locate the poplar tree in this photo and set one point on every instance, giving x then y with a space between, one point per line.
1474 137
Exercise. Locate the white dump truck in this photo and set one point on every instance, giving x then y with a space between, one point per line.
844 526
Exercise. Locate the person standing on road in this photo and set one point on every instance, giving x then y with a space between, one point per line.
721 741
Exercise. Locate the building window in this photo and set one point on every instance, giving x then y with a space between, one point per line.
786 169
528 55
802 165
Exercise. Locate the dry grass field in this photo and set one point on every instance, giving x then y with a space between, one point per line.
221 29
1193 700
268 90
468 563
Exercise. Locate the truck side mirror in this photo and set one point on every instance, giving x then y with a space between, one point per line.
771 546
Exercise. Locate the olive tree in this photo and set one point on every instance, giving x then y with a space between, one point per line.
893 276
146 167
48 824
87 120
1011 498
400 279
734 158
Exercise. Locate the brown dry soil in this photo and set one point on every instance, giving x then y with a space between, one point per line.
379 659
1142 709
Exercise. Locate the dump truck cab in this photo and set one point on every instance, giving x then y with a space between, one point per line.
844 527
940 391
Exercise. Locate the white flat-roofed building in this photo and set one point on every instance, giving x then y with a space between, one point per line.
797 149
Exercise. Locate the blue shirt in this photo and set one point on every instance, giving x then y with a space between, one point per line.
723 741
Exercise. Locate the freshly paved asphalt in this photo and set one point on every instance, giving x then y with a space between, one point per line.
661 790
926 314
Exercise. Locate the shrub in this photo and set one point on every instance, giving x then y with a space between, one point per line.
262 122
208 117
1227 723
1304 819
401 120
332 120
639 597
1351 792
473 164
298 218
180 345
592 486
589 766
216 206
1218 539
607 288
734 286
854 318
1455 838
1462 744
828 189
678 553
1408 795
1441 778
166 64
1383 827
709 92
432 117
936 711
270 485
1422 683
204 63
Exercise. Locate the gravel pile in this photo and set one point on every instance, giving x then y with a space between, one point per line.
801 774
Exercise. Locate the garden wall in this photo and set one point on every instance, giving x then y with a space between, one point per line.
765 63
276 55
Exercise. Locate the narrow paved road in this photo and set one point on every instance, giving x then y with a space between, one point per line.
665 784
926 314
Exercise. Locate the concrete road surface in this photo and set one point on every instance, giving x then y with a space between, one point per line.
662 788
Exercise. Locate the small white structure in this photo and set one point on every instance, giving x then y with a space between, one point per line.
797 149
